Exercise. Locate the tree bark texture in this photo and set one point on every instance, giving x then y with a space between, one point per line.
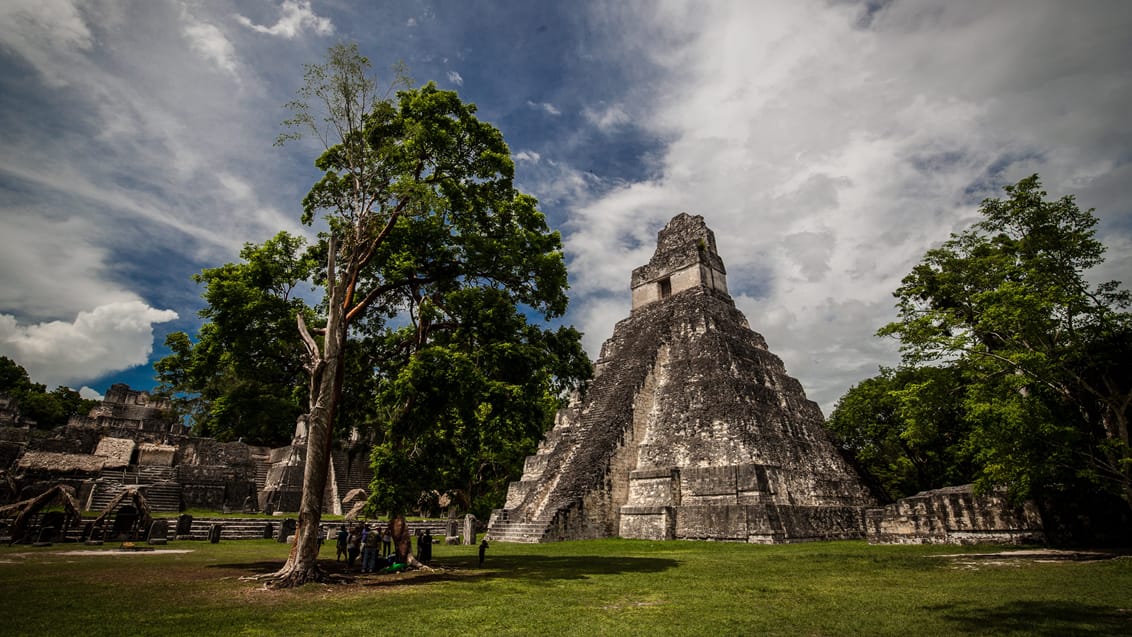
326 367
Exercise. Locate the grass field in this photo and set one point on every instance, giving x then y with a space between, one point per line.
606 587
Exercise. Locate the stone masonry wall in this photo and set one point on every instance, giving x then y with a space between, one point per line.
955 515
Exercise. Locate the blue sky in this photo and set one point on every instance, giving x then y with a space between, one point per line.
828 143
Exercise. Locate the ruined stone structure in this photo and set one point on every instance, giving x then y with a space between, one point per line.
690 429
133 440
955 515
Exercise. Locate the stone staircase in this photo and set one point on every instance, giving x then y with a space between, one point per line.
164 497
161 490
501 529
536 500
232 528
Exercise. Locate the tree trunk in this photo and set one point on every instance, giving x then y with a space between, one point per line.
403 542
325 387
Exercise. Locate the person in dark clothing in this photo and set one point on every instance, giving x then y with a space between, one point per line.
341 546
483 549
353 546
427 546
424 547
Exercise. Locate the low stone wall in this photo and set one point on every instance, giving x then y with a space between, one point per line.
954 515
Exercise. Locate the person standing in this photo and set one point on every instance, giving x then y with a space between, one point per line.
387 540
341 544
483 550
426 549
371 544
353 546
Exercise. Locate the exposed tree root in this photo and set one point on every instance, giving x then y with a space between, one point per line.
293 577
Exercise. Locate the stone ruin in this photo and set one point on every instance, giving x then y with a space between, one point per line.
955 515
133 440
690 429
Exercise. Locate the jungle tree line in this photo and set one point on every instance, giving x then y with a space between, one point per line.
1015 367
428 267
46 409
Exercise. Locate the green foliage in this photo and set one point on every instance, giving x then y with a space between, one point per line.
35 403
906 430
474 401
467 385
1044 351
432 263
244 375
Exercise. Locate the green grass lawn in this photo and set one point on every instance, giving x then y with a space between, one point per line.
606 587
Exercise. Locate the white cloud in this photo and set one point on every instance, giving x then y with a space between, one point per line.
455 78
90 394
37 281
546 107
108 338
827 156
210 42
144 159
48 33
527 155
607 118
295 17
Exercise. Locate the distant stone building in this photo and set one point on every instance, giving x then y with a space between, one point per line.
690 429
133 439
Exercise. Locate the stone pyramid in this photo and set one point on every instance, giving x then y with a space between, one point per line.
690 429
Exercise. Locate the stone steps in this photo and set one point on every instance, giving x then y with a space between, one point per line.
230 528
164 497
105 490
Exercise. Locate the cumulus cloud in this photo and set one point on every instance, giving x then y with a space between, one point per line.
124 154
455 78
295 17
527 155
108 338
830 144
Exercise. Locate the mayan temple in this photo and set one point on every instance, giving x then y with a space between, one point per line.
690 429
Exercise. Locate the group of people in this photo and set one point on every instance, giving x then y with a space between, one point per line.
375 546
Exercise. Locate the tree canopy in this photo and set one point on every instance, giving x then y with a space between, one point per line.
432 260
243 376
1042 351
37 405
906 430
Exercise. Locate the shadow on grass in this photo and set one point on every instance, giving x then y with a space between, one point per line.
1052 618
567 567
530 567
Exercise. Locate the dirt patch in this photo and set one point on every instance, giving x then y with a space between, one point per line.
1014 559
12 558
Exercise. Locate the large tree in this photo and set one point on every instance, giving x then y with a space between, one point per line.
418 203
469 400
1044 349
